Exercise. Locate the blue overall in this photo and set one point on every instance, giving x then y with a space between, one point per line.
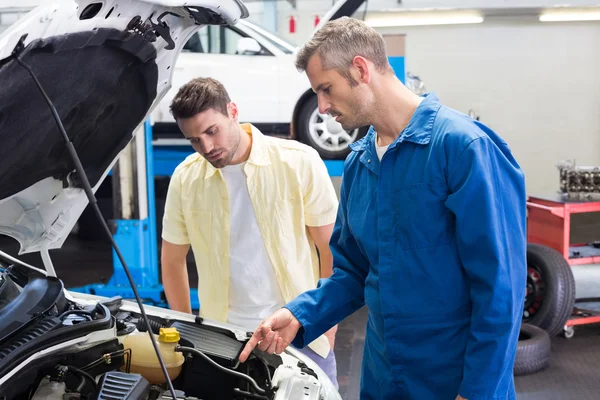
433 240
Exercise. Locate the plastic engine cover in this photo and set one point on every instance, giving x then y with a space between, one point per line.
123 386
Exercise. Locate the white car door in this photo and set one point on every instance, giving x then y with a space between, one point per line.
250 79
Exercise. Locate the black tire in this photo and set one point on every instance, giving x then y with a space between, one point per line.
533 350
304 136
553 305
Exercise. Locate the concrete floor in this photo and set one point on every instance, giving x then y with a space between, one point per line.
573 373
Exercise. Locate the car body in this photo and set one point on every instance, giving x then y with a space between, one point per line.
104 66
257 69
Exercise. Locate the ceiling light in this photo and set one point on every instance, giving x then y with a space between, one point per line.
413 18
564 15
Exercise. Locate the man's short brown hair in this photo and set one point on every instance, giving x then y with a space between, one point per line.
198 95
339 41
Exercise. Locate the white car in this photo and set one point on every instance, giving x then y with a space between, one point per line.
78 79
257 68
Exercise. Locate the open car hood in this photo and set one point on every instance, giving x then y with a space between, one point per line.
105 65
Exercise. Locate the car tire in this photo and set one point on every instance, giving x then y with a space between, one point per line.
550 293
312 126
533 350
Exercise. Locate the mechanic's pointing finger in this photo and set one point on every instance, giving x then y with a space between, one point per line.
257 336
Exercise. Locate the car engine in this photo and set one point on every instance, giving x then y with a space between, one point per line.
52 347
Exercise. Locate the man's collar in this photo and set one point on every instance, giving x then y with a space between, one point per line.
418 129
258 153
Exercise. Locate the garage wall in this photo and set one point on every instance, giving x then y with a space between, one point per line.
536 84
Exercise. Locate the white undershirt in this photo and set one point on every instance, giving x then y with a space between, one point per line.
253 290
380 149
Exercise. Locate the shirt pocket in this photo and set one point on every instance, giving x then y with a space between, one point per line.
421 218
199 228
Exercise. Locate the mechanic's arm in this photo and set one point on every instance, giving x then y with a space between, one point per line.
175 247
175 277
342 293
321 235
488 198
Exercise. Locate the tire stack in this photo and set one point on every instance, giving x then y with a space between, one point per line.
551 312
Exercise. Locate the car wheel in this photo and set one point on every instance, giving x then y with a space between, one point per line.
550 293
324 133
533 350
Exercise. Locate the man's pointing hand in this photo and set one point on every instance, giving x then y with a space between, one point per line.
274 334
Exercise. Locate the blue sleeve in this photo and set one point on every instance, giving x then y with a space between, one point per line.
338 296
488 198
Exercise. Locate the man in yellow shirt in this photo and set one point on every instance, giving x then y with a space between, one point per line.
257 211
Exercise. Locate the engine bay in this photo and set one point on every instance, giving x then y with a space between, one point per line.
52 347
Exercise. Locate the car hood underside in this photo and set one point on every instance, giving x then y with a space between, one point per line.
102 83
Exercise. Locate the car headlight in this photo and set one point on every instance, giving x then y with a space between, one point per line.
329 392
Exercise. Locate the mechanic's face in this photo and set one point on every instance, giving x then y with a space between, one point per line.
214 135
350 104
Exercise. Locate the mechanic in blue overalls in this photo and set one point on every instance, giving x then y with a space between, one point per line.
430 234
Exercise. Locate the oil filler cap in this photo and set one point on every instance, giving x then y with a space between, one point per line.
168 335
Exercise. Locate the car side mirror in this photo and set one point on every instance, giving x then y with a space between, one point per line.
248 47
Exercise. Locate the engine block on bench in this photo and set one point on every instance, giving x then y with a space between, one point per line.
579 182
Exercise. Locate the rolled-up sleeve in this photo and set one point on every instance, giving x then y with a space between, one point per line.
320 199
488 198
174 229
342 293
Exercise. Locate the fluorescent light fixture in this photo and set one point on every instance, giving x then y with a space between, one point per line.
564 15
420 18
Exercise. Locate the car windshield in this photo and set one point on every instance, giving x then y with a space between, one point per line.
273 38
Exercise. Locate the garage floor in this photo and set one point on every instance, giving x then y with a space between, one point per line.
575 363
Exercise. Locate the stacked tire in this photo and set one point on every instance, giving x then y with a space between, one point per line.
547 308
533 351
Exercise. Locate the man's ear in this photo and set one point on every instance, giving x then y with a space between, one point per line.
362 69
233 111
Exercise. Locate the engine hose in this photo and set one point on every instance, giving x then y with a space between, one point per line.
84 375
154 326
192 350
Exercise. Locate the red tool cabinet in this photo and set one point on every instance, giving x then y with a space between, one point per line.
559 223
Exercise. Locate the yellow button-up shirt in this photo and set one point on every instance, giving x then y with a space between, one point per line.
290 189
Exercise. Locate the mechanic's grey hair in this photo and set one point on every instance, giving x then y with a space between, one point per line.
339 41
198 95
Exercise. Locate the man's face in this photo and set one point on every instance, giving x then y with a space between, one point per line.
349 104
214 136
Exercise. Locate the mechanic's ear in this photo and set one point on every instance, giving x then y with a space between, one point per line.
232 110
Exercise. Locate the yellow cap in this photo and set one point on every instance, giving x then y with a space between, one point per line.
168 335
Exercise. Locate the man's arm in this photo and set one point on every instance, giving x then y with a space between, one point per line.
488 198
321 236
175 277
175 247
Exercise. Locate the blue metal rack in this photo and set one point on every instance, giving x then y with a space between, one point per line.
138 243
